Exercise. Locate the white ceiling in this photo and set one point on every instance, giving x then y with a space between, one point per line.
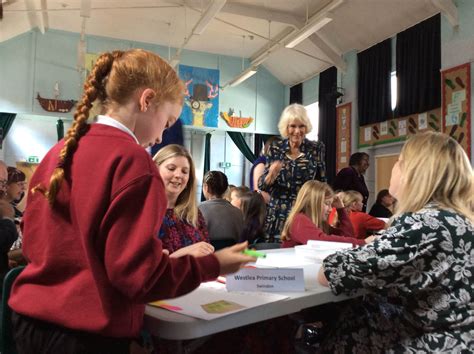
241 28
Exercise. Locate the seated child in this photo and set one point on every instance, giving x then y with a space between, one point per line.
308 218
236 194
361 222
254 209
224 221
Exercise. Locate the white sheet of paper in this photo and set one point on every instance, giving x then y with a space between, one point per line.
454 111
214 295
367 133
343 146
402 127
422 121
384 128
325 245
458 96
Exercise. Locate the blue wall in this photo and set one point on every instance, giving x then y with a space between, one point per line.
32 63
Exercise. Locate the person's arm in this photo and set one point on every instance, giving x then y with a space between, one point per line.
322 277
199 249
400 259
133 255
372 223
271 171
257 173
344 224
302 230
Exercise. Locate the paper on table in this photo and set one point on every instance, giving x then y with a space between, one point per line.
279 260
211 300
328 245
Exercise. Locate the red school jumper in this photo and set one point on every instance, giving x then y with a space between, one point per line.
363 222
302 230
94 258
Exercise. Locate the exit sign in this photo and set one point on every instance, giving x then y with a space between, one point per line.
33 159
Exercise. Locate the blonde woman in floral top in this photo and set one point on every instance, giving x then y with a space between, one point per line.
418 276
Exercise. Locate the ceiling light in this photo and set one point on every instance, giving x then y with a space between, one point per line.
310 28
211 11
244 75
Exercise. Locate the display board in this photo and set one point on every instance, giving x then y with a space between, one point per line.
398 129
456 104
343 135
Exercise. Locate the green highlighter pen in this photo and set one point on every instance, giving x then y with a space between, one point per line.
253 253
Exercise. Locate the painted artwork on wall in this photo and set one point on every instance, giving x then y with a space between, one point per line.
201 104
234 121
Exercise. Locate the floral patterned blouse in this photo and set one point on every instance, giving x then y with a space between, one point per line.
310 165
176 233
419 279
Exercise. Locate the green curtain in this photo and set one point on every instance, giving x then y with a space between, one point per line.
6 121
239 140
207 159
60 129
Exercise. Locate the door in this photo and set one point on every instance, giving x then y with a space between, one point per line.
383 170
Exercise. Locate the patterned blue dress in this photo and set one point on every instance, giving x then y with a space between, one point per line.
308 166
419 279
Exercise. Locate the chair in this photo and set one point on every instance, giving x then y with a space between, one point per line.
7 343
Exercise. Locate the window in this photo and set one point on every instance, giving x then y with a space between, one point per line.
393 89
313 114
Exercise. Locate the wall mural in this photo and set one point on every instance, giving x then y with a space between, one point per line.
201 108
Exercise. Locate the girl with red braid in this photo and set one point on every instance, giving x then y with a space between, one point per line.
90 226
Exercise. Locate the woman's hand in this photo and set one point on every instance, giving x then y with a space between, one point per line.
370 239
231 259
337 202
199 249
273 171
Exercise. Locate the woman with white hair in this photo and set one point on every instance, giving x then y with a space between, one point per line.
418 277
290 163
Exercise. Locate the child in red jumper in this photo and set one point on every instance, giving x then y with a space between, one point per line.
361 222
308 218
89 230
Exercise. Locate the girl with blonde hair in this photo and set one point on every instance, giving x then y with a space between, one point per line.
418 278
91 219
308 217
183 230
362 223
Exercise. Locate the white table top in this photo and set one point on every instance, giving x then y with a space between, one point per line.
170 325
